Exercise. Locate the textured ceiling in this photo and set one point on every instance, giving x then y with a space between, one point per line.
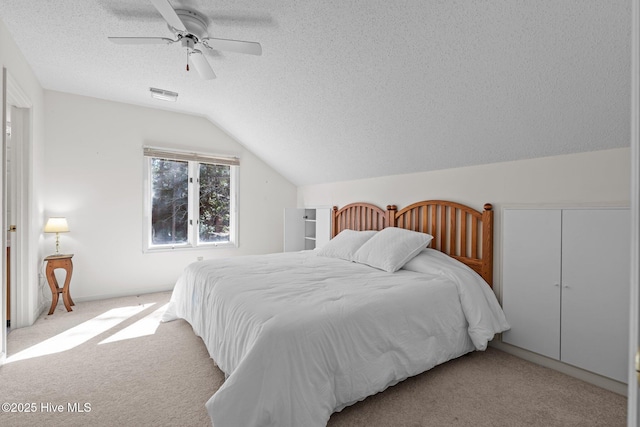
360 88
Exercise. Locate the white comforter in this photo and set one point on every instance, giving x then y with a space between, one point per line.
300 336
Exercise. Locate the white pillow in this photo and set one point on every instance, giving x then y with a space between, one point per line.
392 248
345 244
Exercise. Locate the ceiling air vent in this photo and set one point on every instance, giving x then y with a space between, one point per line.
165 95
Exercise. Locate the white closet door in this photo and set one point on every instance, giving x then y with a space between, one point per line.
595 290
531 278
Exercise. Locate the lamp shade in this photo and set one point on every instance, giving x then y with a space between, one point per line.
56 225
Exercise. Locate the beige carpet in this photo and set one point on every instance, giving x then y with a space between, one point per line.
165 378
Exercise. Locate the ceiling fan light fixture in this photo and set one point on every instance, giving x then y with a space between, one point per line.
190 29
164 95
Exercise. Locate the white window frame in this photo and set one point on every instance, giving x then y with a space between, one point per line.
194 160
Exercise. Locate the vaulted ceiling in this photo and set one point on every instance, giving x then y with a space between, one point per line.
360 88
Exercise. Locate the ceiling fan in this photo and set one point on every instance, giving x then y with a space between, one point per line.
190 30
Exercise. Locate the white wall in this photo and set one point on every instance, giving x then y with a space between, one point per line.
599 177
94 173
21 74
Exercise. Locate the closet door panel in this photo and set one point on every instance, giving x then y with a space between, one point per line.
595 290
531 277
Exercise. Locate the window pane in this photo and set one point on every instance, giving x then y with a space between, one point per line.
169 201
215 196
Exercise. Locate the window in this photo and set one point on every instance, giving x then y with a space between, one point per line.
190 200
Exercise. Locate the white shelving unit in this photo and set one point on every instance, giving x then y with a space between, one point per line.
306 228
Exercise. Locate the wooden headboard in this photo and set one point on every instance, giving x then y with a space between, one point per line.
359 217
458 230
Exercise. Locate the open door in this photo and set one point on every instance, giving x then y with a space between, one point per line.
18 128
7 188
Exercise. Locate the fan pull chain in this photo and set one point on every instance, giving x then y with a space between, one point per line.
187 59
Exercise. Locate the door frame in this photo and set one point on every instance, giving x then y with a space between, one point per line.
26 298
3 261
633 397
26 294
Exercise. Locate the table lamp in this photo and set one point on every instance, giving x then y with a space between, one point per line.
57 225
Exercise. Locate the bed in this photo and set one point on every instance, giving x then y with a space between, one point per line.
302 335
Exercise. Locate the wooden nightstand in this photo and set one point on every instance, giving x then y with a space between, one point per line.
59 261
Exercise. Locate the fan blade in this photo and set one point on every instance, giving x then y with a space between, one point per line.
141 40
202 65
169 15
252 48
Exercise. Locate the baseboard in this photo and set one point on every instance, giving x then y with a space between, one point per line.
586 376
44 306
132 292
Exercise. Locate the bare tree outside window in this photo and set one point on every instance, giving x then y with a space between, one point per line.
215 185
169 201
191 203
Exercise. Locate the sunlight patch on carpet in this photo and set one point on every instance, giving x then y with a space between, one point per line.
79 334
143 327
